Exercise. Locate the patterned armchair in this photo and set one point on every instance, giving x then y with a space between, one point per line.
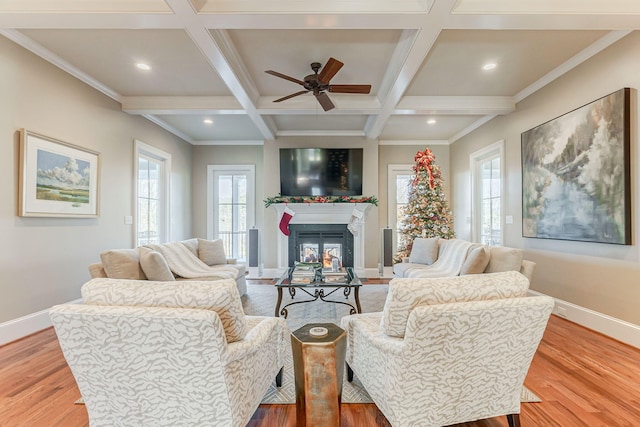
448 351
168 354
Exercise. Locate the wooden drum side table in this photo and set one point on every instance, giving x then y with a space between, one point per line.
318 362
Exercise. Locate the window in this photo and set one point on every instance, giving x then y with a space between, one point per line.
153 172
231 207
487 172
399 185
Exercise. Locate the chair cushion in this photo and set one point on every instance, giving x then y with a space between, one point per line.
406 294
220 296
211 252
476 261
154 265
122 264
424 250
504 259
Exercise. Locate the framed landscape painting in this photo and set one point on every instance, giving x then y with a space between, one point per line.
57 179
576 179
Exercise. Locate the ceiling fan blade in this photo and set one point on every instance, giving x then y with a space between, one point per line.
350 88
284 76
329 70
324 101
284 98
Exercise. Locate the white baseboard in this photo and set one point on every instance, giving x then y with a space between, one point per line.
620 330
26 325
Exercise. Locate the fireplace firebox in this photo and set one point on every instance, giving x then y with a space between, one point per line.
326 243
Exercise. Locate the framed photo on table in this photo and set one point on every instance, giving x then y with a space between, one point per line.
57 179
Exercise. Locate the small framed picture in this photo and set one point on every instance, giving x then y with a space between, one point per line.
57 179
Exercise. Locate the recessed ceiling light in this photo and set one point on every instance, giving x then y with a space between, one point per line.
489 66
431 122
142 66
207 121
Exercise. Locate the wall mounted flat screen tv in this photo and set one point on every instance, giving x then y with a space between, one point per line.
321 171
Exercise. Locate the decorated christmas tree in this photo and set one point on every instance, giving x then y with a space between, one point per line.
427 214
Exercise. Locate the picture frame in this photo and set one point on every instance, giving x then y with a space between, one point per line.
57 179
576 174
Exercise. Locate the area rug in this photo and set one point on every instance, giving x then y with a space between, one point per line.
260 300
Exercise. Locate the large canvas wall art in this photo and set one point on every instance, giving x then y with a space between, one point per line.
576 178
57 179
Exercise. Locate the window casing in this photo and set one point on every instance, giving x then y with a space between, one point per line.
152 176
398 186
231 207
487 168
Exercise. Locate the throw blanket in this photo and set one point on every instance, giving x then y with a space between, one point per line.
450 259
184 263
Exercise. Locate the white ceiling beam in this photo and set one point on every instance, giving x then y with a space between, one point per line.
420 47
420 142
568 21
320 132
307 104
181 105
455 105
213 53
325 6
228 142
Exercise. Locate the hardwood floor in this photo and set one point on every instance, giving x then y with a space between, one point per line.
582 377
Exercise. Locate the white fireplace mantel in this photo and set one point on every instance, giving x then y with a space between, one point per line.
324 213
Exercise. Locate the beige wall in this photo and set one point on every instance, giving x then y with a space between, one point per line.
204 156
266 158
601 277
43 261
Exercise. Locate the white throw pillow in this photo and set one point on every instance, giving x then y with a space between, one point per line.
154 265
424 250
504 259
211 252
476 261
122 264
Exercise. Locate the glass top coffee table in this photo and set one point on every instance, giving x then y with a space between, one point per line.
317 283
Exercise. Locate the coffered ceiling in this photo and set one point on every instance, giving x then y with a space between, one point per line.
423 59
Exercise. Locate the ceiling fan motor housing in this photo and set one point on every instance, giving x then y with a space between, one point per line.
311 82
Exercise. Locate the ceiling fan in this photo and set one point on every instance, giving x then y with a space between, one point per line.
318 83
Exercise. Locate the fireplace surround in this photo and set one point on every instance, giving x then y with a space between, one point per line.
324 213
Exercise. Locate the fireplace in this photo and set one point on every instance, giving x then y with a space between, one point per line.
323 214
325 243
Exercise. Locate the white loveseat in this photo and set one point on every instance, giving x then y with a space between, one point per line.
193 259
436 257
147 353
448 350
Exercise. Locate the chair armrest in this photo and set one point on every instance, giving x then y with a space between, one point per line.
261 335
367 326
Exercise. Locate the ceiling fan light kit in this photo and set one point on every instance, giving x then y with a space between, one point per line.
319 83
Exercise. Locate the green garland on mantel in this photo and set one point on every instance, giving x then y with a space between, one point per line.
319 199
